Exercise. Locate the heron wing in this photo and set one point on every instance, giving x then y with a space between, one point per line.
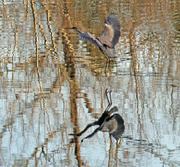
111 31
115 126
92 39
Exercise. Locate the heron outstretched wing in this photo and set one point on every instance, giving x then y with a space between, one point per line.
111 33
92 39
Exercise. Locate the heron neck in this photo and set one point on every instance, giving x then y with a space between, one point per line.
77 30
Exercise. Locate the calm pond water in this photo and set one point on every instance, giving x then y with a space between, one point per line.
52 83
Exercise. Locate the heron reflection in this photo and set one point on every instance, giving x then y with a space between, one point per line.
109 38
110 121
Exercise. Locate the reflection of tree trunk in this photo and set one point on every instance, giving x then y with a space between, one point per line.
74 87
174 63
135 70
74 115
134 64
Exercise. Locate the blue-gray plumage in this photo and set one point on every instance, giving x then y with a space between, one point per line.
110 121
109 38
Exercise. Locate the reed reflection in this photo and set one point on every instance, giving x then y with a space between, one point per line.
110 121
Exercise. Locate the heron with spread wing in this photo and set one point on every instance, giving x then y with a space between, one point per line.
109 38
110 121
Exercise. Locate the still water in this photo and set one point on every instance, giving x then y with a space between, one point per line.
52 83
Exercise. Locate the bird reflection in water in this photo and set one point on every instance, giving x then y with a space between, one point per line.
109 38
110 121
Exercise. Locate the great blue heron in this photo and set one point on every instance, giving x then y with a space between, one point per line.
110 121
109 38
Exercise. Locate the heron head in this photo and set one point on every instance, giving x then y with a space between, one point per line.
106 23
73 28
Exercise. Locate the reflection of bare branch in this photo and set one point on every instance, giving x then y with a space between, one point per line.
36 42
35 28
9 123
50 30
41 147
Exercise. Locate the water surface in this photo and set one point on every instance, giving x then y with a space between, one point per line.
52 83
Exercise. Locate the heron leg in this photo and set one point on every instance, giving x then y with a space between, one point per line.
106 66
85 129
92 134
118 143
110 137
